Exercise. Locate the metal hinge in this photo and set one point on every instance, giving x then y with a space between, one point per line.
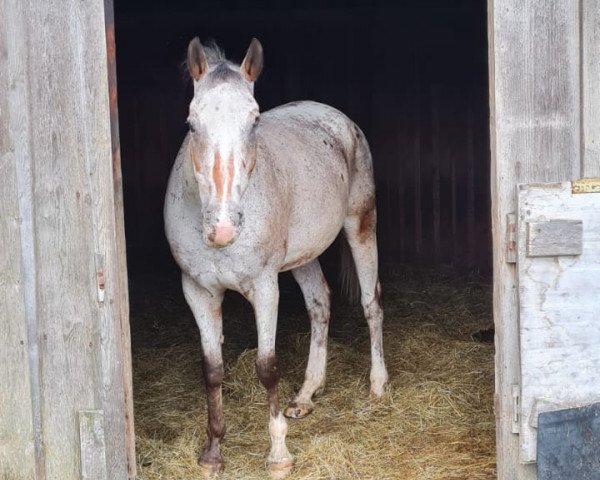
516 408
511 238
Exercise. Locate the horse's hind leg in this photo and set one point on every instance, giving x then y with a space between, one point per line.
359 227
316 296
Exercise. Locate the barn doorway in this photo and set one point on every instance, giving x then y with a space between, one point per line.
413 75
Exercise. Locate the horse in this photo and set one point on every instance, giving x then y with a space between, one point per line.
253 194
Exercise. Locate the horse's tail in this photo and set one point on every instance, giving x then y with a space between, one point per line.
348 277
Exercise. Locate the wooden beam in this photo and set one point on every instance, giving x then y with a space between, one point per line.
590 88
534 136
17 445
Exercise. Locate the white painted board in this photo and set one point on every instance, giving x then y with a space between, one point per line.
559 309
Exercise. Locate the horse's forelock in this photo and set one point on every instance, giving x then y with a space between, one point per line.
214 54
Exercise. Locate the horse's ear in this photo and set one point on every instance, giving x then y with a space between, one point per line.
253 62
196 59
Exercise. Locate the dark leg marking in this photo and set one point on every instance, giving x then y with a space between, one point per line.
268 374
213 379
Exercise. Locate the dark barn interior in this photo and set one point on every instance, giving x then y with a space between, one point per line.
413 75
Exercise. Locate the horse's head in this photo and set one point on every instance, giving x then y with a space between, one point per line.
223 118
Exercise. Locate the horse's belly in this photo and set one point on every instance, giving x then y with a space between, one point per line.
314 227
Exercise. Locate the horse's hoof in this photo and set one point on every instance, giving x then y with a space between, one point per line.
211 470
298 410
281 469
378 388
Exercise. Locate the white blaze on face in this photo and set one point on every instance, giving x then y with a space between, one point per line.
225 115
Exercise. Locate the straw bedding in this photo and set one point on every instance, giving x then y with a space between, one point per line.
434 422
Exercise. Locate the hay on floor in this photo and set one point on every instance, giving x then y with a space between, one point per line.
434 422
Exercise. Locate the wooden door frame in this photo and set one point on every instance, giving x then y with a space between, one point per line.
122 283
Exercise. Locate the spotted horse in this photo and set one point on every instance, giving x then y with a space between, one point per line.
253 194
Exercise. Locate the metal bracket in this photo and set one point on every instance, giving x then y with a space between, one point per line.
516 408
586 185
511 238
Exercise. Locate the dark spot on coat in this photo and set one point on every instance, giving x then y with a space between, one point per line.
367 221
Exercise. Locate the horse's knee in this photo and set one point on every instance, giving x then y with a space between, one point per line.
213 374
267 371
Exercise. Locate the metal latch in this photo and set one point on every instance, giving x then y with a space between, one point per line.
516 408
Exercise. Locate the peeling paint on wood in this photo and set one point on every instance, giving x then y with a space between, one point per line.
558 309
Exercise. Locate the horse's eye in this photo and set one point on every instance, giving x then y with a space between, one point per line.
191 127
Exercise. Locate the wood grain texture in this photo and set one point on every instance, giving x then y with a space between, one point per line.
121 294
534 133
92 445
17 449
60 147
549 238
69 333
590 105
558 309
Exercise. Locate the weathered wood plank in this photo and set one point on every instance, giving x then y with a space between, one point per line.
534 136
69 333
121 295
554 237
17 447
92 445
95 125
558 303
590 105
78 344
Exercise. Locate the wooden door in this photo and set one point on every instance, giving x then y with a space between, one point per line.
558 264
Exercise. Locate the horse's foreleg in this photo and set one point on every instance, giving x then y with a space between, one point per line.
360 232
265 298
206 307
316 296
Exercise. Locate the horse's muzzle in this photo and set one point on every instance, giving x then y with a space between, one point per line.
223 235
224 232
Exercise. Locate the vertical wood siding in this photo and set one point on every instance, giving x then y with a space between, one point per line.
535 133
57 164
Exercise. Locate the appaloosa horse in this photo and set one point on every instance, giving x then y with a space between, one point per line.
251 195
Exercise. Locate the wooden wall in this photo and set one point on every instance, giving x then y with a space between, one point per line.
544 128
64 332
413 75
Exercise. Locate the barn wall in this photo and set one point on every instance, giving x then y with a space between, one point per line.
17 450
413 77
63 351
535 105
